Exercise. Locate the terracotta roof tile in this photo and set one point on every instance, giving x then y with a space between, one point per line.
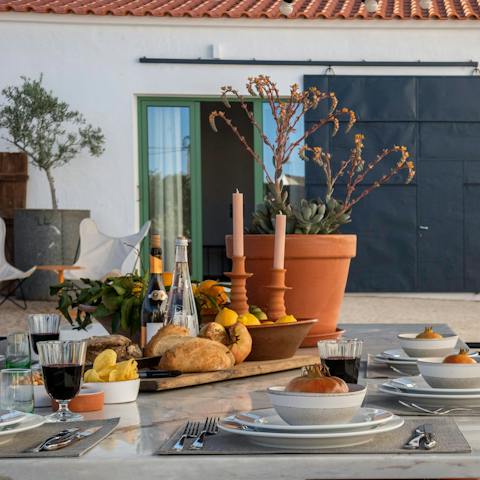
304 9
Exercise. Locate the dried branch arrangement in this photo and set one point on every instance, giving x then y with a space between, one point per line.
312 216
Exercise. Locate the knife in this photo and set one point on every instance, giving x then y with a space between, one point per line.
52 438
158 373
66 441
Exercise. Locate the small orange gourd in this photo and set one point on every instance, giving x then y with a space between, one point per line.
428 333
460 357
316 379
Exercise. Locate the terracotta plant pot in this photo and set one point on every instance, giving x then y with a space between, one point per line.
317 270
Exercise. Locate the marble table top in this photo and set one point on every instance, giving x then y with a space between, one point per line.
146 424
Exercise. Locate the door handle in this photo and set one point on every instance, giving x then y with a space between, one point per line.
423 227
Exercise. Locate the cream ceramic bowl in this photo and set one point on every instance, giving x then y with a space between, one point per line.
427 347
317 408
118 392
449 375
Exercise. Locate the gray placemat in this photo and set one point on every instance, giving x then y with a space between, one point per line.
447 433
16 446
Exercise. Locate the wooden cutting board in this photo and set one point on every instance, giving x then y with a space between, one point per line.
246 369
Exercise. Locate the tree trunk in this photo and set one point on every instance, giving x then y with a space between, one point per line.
53 193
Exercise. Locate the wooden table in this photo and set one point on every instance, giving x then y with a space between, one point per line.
129 452
59 270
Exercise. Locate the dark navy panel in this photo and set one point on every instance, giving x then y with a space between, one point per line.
472 237
377 137
321 82
450 141
321 138
440 210
382 98
386 225
449 99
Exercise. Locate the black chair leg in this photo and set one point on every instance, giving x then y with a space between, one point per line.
9 295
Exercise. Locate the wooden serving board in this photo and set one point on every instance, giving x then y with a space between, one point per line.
246 369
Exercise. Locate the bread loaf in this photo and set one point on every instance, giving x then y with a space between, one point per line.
155 347
197 355
158 348
123 347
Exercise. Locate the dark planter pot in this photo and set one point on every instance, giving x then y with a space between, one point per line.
45 237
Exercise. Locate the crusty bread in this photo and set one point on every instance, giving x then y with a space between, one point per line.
197 355
166 343
123 346
155 348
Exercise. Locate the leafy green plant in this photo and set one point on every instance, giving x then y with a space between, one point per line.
310 216
46 129
119 298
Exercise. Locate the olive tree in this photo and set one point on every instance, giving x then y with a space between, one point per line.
46 129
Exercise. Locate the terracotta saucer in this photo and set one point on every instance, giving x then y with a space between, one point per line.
311 340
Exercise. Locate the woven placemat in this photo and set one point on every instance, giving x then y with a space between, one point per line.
447 434
15 446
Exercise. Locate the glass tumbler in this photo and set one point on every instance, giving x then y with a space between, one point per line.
342 357
43 327
18 350
16 389
62 367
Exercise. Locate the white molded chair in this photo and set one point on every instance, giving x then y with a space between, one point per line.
8 273
101 254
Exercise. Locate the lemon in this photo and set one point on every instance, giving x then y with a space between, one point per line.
268 322
287 319
248 319
226 317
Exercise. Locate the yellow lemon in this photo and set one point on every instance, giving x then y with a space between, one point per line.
226 317
268 322
248 319
287 319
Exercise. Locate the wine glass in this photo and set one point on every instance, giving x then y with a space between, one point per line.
43 327
62 366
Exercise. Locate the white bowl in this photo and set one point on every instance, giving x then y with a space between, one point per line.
317 408
118 392
449 375
427 347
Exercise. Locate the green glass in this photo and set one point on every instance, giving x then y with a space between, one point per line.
18 350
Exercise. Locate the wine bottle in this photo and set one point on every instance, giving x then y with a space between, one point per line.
181 309
154 303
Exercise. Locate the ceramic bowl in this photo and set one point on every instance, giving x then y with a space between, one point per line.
118 392
276 341
317 408
427 347
449 375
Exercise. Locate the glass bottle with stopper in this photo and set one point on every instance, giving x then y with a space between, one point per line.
155 301
181 309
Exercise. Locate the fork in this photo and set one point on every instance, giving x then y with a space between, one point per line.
209 428
438 411
190 431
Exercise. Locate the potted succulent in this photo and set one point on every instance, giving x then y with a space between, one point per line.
51 134
317 256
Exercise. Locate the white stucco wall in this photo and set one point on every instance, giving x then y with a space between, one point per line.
92 63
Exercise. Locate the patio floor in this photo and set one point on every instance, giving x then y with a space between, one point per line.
461 312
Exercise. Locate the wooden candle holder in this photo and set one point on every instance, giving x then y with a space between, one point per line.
276 301
238 294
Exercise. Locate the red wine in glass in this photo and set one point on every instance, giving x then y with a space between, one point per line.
42 337
62 381
345 368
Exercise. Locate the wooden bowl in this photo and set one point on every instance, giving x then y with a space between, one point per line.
277 341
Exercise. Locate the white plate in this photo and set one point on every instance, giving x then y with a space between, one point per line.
13 421
27 423
400 355
312 440
433 399
418 385
268 420
406 368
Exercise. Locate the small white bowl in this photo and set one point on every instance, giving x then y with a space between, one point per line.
118 392
449 375
427 347
317 408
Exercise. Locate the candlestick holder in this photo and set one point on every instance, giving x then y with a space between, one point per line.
238 294
276 301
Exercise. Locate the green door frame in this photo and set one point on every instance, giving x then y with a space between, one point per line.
195 168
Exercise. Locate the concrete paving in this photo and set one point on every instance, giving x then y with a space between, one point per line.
460 311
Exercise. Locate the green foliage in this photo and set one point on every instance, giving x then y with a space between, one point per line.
117 297
46 129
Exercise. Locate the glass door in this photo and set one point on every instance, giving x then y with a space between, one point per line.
170 176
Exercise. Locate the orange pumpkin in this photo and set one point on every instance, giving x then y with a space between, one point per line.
428 333
316 379
460 357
